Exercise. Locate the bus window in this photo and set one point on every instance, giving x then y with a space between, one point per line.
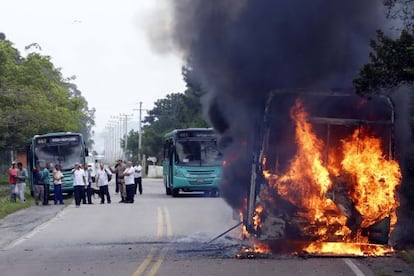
197 153
66 156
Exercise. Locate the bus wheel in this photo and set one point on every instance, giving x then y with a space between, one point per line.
214 193
167 190
175 192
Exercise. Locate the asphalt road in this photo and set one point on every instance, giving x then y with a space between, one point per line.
157 235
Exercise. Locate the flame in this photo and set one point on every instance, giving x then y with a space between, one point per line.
307 181
377 178
351 249
314 186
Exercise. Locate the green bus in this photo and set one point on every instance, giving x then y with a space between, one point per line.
62 148
192 161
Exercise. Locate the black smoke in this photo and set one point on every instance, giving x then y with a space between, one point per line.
242 49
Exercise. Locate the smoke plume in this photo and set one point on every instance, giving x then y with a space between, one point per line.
242 49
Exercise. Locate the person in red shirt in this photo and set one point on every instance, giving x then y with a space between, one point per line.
12 181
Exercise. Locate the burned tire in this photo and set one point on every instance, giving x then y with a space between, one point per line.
379 232
175 192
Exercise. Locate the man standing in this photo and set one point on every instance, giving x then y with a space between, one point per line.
138 177
119 172
39 187
21 181
45 179
57 184
102 183
116 175
12 181
129 182
88 188
79 183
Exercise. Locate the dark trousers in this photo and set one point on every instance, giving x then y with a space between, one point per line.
46 195
138 184
58 198
130 193
103 190
88 193
116 184
79 194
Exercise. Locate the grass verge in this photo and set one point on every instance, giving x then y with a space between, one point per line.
8 207
407 256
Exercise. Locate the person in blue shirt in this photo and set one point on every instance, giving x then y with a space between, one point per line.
45 179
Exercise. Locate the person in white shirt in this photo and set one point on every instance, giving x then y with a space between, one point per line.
102 183
79 183
129 182
138 177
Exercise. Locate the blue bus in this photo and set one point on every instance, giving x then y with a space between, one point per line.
62 148
192 161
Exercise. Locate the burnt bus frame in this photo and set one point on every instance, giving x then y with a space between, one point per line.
257 180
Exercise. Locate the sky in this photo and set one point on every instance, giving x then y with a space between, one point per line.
105 45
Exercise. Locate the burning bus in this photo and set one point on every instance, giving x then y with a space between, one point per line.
324 176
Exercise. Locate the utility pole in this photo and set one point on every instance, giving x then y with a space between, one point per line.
126 117
140 129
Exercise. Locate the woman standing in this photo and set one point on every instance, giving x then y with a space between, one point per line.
57 183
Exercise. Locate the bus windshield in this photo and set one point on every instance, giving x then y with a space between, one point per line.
198 153
66 155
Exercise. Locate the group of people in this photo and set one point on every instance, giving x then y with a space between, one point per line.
128 181
17 181
128 178
41 181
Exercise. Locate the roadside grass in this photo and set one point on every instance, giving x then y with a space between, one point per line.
407 256
7 206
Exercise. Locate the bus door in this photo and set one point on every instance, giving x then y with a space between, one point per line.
168 163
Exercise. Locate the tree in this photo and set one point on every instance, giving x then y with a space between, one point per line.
392 64
402 10
35 98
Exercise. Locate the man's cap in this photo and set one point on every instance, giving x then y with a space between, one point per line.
13 162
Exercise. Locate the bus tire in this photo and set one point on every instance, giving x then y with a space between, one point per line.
167 190
215 193
175 192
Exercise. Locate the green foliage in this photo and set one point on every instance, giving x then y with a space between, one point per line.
8 207
177 110
35 98
392 64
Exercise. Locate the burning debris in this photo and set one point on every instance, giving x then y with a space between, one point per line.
336 185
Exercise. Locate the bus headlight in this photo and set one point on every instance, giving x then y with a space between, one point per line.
179 173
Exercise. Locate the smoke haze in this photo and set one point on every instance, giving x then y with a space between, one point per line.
242 49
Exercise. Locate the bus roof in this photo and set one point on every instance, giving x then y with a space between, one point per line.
56 134
175 131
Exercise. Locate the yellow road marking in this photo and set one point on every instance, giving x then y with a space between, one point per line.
145 263
163 220
157 265
160 227
168 223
